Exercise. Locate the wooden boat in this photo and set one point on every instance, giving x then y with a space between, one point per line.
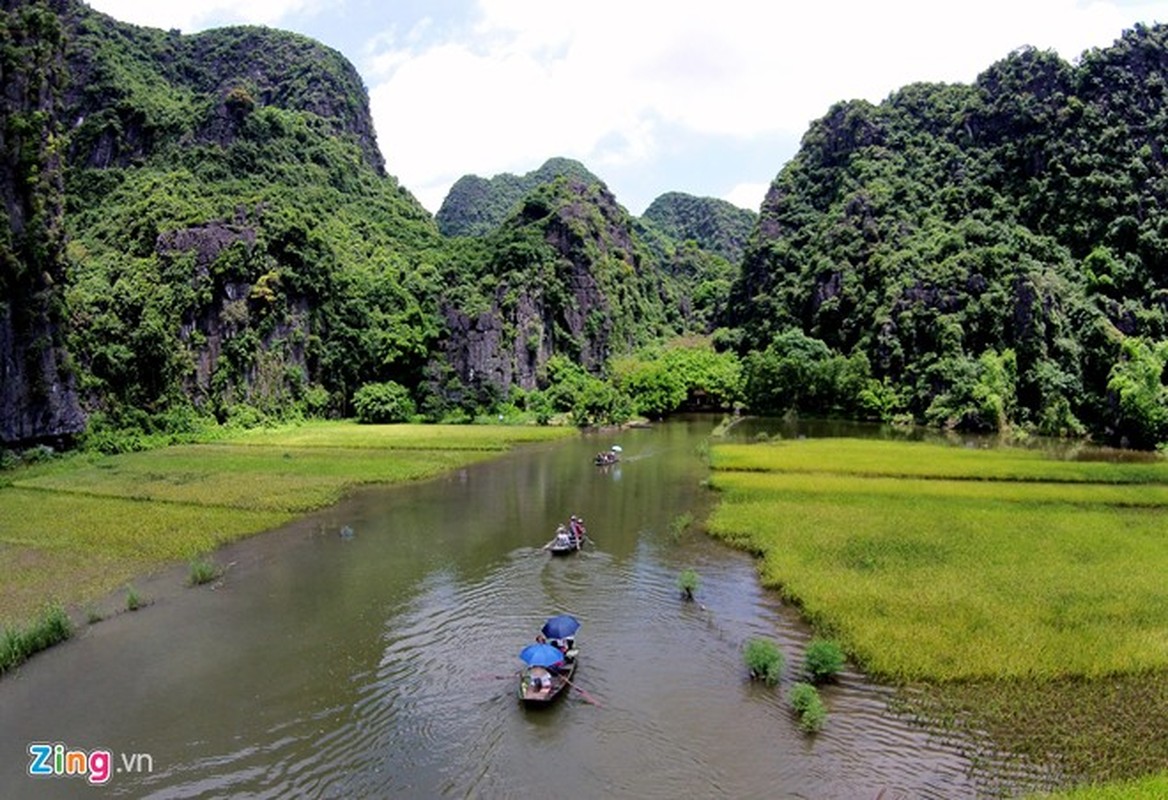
606 458
564 545
568 540
539 686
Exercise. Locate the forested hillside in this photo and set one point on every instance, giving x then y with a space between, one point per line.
235 244
38 402
981 256
201 227
718 227
476 206
228 245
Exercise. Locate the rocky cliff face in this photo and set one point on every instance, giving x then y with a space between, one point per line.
38 402
569 278
234 305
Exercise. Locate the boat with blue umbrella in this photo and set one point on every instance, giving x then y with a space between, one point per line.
561 628
550 661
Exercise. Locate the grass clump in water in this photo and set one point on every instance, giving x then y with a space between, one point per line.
17 644
804 698
203 570
679 524
688 582
134 600
764 659
823 660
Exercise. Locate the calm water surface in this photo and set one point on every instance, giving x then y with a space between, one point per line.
376 665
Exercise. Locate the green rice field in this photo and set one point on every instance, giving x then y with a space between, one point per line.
942 564
74 529
1027 595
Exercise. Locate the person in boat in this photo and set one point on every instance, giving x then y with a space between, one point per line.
563 539
540 682
576 526
561 666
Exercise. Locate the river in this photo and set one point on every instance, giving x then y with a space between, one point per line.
377 664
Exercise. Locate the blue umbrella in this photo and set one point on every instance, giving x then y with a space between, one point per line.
541 655
561 627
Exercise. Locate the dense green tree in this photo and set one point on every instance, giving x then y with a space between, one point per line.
800 373
1138 393
379 403
680 376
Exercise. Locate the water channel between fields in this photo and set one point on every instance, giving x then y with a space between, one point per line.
325 665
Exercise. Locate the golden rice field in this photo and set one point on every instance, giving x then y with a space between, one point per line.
1028 595
74 529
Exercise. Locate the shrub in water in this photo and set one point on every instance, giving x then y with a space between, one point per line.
806 701
764 660
688 581
823 660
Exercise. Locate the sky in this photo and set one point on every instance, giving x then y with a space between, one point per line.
710 98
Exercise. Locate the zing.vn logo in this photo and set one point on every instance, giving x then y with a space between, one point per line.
55 760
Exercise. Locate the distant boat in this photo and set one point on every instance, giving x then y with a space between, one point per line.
610 456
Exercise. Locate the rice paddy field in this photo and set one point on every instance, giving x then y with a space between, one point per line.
1027 594
74 529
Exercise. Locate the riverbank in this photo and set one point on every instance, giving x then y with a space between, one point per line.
1025 593
74 529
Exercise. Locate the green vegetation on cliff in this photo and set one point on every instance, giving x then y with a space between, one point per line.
476 206
234 240
207 232
988 249
716 226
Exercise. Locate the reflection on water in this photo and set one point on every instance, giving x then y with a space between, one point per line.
749 429
381 664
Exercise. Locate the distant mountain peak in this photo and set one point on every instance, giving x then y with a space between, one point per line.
476 206
715 225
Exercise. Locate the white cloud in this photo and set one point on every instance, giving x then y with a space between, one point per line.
747 195
595 81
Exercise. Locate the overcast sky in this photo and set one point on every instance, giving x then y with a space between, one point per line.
708 98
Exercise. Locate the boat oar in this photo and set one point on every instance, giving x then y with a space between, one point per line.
583 693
